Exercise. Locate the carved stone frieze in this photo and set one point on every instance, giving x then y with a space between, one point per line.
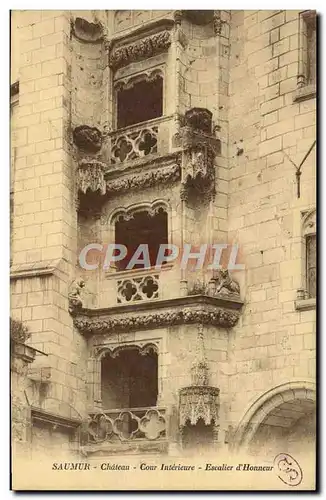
86 31
87 139
140 49
90 176
218 317
147 179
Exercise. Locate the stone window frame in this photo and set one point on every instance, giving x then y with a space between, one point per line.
151 208
308 229
305 89
134 72
100 350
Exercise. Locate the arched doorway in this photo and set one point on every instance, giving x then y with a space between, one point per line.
282 420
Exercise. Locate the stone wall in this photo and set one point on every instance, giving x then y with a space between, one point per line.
273 342
245 72
44 219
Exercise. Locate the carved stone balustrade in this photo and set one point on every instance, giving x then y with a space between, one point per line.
150 138
126 429
136 288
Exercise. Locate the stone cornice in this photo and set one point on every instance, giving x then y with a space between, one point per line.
34 269
41 415
147 179
216 311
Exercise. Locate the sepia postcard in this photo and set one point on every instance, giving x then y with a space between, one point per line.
163 250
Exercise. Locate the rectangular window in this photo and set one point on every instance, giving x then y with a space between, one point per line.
142 228
311 48
307 55
140 102
311 264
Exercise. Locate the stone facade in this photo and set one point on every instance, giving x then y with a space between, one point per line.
229 158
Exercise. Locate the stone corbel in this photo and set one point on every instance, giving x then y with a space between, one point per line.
199 400
200 147
87 139
87 32
90 176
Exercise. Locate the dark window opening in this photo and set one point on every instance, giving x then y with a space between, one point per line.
311 264
142 102
129 380
142 229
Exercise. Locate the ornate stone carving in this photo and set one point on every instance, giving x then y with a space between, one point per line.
198 176
74 296
112 324
134 144
86 31
217 22
127 424
144 180
144 348
87 139
200 147
141 288
90 176
224 284
199 400
200 119
140 49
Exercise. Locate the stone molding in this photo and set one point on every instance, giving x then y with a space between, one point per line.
267 402
34 269
195 309
46 417
140 49
166 175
